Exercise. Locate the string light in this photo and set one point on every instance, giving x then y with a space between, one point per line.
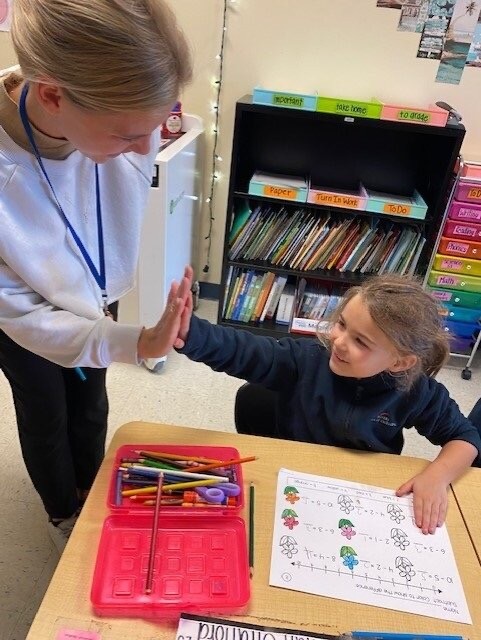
215 174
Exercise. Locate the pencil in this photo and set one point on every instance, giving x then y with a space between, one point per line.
174 456
251 530
153 539
225 463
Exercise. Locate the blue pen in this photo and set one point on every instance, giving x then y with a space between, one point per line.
80 374
376 635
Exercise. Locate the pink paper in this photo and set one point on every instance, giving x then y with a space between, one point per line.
73 634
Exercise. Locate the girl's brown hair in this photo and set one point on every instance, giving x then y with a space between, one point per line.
409 316
107 55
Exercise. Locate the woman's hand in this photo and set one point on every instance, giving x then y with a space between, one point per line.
175 321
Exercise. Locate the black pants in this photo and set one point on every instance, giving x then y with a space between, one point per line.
475 417
255 411
62 424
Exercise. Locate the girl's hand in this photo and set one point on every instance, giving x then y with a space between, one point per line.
430 499
159 340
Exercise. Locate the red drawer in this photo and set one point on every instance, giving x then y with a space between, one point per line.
466 231
453 247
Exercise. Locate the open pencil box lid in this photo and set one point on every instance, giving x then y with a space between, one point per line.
201 559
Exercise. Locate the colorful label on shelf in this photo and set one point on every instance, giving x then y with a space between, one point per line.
287 100
475 193
468 214
464 231
394 208
412 115
285 193
442 296
459 247
451 264
337 200
447 280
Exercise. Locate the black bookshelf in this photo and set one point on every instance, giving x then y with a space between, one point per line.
338 152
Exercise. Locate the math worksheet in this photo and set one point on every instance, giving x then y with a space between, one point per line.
359 542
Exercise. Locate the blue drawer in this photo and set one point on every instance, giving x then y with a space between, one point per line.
462 314
460 329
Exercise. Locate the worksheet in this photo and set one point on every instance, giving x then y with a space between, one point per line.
360 543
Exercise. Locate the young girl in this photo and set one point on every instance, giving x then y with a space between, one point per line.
79 131
360 386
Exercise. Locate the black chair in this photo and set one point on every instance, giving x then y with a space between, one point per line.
255 411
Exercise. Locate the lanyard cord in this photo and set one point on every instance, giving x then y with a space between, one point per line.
98 274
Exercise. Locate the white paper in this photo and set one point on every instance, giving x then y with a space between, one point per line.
5 14
359 542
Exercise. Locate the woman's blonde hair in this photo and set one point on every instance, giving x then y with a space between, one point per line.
107 55
409 316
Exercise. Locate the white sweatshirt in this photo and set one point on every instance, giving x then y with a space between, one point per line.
50 303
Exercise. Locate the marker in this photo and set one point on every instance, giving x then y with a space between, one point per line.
376 635
80 374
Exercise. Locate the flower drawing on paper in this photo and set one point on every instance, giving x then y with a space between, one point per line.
289 516
405 568
347 528
348 556
395 513
400 538
291 494
346 504
288 546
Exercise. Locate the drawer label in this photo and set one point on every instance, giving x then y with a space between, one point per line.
475 194
280 192
350 202
413 116
469 214
397 209
447 280
451 264
465 231
444 296
459 247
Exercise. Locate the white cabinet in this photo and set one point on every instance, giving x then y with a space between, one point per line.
170 224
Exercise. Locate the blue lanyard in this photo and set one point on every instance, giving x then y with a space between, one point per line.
98 274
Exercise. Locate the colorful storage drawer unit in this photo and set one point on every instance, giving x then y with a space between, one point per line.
349 108
439 279
433 115
455 298
332 198
471 169
466 212
462 230
389 204
461 329
462 314
303 101
468 191
460 265
201 561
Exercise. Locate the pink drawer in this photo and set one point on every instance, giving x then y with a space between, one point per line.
466 212
468 191
465 231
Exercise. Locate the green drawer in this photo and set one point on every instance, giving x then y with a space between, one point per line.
440 279
456 298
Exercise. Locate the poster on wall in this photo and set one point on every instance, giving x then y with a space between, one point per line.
391 4
458 39
5 9
432 37
413 16
474 54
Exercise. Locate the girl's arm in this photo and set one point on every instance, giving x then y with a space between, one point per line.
429 488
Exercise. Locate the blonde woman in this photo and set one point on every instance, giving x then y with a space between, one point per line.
79 129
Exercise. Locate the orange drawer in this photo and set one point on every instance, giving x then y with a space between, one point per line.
451 247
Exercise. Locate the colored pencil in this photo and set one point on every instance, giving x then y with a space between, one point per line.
118 489
175 456
170 487
181 474
225 463
153 539
251 530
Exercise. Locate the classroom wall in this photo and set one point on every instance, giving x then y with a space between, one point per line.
343 48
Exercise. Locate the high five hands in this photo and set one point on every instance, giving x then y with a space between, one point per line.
173 327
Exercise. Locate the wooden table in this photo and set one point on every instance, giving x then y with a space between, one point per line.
67 605
467 492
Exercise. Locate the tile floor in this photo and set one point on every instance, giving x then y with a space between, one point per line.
184 393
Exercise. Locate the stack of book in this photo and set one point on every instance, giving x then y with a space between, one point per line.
313 241
314 305
252 296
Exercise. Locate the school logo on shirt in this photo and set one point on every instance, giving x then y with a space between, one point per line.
385 419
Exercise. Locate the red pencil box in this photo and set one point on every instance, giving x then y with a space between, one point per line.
201 559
